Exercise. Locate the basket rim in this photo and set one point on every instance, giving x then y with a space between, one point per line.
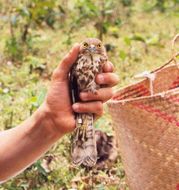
156 95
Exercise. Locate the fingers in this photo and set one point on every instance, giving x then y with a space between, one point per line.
89 107
109 79
108 67
103 94
61 72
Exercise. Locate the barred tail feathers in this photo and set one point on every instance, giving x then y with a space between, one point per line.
84 148
78 153
90 147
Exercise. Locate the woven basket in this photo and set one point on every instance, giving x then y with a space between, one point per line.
146 122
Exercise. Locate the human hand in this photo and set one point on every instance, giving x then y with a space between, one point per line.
54 118
58 103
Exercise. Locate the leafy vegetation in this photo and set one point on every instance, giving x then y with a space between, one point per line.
36 34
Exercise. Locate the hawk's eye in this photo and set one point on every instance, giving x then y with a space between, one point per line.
99 45
85 44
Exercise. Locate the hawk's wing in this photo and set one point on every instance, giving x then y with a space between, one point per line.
74 91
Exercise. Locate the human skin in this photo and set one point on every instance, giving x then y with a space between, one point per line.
24 144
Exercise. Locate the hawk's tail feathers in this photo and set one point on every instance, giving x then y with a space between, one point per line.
78 153
85 152
90 147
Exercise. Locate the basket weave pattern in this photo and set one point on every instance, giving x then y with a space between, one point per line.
147 129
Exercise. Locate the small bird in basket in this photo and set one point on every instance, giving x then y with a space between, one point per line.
92 57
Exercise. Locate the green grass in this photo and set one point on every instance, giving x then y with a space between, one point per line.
20 91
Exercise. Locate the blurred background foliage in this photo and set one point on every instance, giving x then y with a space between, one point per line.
36 34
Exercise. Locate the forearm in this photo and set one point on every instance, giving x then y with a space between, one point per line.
22 145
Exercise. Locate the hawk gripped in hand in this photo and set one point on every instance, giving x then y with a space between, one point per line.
92 57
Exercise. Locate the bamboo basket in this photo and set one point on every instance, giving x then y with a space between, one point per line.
146 121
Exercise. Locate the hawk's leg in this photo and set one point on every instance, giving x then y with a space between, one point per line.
83 132
80 130
78 127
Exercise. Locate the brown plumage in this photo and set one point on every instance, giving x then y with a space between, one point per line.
90 61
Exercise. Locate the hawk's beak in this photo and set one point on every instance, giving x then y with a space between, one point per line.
92 48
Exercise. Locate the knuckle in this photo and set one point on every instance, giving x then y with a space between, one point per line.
55 74
65 59
99 108
116 78
100 113
81 107
110 93
70 52
108 67
111 65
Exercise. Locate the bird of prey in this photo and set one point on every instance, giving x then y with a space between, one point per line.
92 56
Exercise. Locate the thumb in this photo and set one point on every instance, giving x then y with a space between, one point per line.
61 72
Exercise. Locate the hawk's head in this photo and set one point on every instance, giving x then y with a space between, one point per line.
92 46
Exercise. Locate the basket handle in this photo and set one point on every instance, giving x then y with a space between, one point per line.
174 55
151 75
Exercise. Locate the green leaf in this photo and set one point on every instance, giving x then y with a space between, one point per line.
127 40
138 37
153 40
126 2
14 19
41 96
25 11
118 22
40 169
108 4
122 55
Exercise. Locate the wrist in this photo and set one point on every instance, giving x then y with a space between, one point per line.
44 120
